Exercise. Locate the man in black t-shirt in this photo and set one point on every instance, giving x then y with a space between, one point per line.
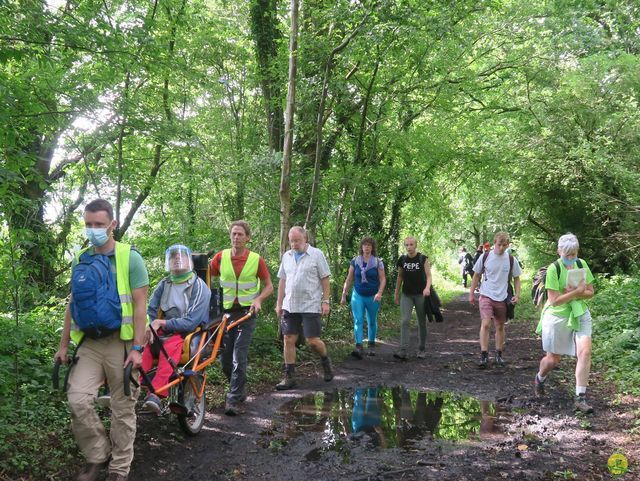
414 276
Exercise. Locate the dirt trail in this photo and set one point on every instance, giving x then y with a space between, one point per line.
540 439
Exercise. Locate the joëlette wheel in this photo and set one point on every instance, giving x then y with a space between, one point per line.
192 422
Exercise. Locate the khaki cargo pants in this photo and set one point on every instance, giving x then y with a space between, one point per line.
100 359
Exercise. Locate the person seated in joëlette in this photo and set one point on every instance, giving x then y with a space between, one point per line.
183 298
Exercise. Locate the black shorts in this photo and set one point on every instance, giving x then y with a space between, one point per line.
307 323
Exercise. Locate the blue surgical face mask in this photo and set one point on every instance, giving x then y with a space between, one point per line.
98 236
568 262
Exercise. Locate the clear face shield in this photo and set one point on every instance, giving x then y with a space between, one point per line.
177 259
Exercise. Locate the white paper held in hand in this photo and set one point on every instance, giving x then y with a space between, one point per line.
574 276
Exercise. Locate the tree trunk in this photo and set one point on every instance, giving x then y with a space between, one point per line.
285 179
264 28
39 253
320 121
393 237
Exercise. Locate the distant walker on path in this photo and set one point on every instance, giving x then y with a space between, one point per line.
496 267
466 265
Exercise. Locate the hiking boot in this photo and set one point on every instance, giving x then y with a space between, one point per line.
288 379
498 361
326 367
152 404
421 354
116 477
357 352
538 386
231 408
484 361
401 356
90 471
372 348
580 404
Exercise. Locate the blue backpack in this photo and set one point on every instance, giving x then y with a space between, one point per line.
95 305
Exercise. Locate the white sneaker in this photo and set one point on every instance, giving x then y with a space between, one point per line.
421 355
104 401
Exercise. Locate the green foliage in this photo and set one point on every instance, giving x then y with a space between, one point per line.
35 435
443 120
566 474
616 313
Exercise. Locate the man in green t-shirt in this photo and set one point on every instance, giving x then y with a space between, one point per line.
103 353
565 323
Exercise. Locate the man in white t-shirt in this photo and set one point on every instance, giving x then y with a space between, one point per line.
496 267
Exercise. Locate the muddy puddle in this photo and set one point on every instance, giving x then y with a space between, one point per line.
389 417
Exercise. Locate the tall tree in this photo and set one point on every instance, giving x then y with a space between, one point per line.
285 178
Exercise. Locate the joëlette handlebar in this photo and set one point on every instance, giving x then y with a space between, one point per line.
128 378
244 318
55 374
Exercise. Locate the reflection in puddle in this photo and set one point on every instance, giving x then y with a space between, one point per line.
388 417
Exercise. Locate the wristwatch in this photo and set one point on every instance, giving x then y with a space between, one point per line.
137 347
326 301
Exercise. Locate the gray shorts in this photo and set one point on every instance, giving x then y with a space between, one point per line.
307 323
559 338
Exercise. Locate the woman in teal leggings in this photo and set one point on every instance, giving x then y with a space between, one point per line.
368 272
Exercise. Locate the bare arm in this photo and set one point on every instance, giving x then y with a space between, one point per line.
583 291
139 296
474 285
326 294
396 295
281 287
516 288
65 337
427 271
588 293
383 283
347 285
266 291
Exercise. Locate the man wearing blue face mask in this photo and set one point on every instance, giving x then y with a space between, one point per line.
565 323
106 318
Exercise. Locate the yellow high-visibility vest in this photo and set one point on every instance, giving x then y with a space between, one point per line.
123 256
244 288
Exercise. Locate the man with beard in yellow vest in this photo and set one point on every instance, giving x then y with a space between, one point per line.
245 283
109 335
